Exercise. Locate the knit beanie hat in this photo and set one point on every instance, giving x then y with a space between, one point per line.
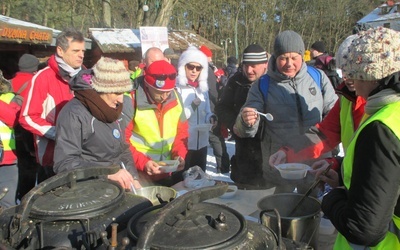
373 55
231 60
319 46
206 51
254 54
111 76
288 41
192 54
28 63
343 50
160 75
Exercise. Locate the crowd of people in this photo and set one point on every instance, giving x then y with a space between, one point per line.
64 116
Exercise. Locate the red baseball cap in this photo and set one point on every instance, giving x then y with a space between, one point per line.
160 75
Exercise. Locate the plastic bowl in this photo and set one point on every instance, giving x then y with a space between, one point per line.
230 192
166 193
169 165
293 171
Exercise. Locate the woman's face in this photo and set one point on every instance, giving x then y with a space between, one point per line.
193 70
364 88
112 99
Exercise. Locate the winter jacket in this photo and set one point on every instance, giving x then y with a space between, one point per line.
20 83
8 120
84 141
365 211
198 138
338 126
48 93
295 103
246 165
138 100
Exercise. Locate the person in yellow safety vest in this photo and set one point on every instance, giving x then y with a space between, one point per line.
158 130
10 107
364 206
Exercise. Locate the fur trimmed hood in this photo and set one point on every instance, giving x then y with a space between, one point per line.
192 54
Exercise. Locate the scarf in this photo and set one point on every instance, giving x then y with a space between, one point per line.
97 106
380 99
193 84
71 71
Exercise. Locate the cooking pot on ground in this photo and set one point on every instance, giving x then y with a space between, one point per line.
188 223
302 226
70 210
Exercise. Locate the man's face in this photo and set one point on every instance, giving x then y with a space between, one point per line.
289 63
254 71
157 95
74 55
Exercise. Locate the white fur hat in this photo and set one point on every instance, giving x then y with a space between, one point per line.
193 54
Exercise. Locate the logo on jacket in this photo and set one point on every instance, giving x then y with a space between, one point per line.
313 91
116 133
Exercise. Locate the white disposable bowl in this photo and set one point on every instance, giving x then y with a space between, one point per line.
293 171
171 165
230 192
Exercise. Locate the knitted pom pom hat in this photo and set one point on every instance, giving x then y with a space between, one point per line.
373 55
111 76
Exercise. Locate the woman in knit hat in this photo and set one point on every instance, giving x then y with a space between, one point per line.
90 127
365 207
192 84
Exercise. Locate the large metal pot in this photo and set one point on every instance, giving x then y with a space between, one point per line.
70 210
188 223
302 226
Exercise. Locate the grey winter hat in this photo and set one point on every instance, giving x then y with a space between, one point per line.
28 63
254 54
288 41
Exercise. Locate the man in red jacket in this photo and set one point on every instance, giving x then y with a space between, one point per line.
27 165
48 93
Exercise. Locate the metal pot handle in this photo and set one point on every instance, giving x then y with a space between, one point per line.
278 219
181 205
19 225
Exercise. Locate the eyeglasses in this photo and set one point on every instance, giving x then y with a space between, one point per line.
192 67
163 77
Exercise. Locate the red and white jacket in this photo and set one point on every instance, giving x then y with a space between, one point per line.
48 93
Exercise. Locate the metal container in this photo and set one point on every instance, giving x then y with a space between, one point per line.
302 226
70 210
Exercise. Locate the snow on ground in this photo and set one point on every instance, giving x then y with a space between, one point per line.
212 165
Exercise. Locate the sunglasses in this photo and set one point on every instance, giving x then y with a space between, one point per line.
192 67
163 77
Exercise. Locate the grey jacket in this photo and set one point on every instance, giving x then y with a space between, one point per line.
295 103
84 141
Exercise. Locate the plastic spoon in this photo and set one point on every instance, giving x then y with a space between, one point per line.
267 116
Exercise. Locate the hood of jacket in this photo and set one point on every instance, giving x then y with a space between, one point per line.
192 54
82 80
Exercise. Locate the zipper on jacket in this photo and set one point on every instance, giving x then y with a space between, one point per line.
298 106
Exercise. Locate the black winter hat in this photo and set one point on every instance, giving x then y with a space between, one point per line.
319 46
254 54
28 63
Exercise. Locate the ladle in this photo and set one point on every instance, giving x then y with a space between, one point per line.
316 182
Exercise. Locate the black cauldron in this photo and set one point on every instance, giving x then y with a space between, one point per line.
79 209
189 223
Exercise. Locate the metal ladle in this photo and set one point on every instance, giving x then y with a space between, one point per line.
316 182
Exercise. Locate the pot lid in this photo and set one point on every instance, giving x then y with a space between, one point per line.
204 225
83 199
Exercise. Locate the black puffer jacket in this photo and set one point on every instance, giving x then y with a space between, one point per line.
246 164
